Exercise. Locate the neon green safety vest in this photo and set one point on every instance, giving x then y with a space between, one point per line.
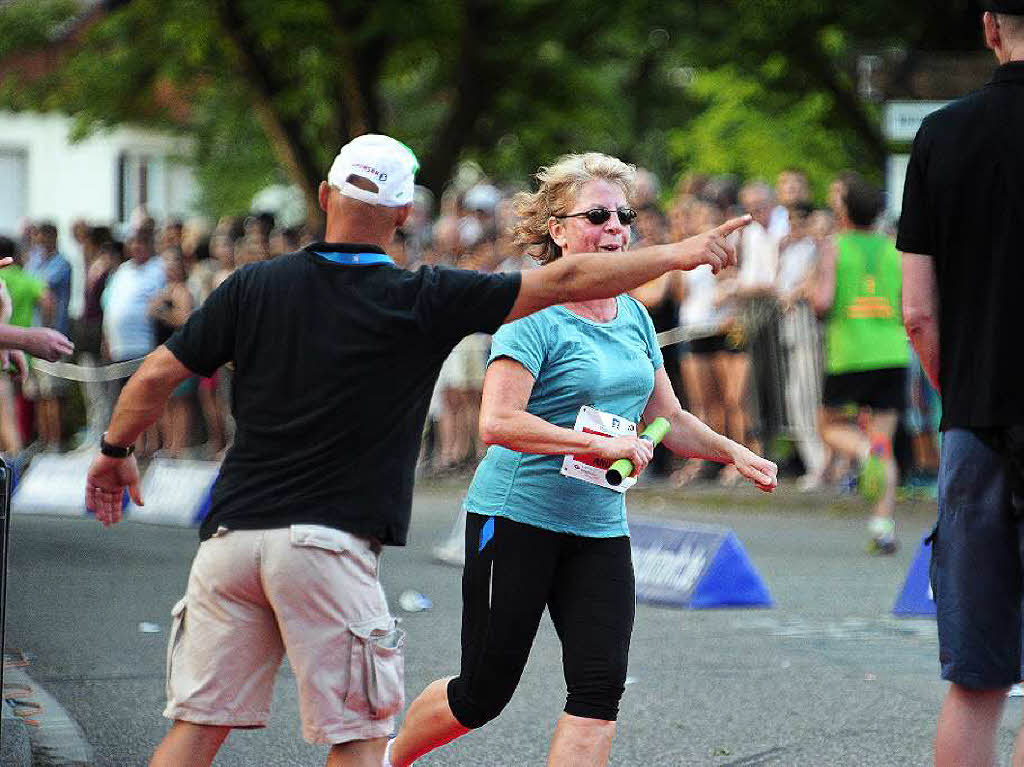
864 329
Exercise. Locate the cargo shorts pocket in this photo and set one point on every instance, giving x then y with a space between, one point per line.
337 542
175 639
376 687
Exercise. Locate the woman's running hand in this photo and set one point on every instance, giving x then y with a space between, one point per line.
638 451
762 472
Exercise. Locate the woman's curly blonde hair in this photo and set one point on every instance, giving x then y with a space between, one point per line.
559 186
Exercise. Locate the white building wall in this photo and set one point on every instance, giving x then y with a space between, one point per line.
64 181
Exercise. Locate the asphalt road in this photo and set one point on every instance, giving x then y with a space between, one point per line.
826 677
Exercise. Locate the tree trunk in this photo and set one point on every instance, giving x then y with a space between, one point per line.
299 161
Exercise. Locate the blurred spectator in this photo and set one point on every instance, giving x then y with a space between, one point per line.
193 237
222 252
651 227
646 191
692 186
480 202
509 257
99 263
721 191
171 235
201 268
759 248
791 189
661 297
715 368
127 327
801 342
169 309
25 293
10 436
77 256
54 270
755 288
250 249
258 228
461 379
101 259
418 227
820 226
858 291
284 241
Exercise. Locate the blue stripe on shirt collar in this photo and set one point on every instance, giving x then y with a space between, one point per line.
356 259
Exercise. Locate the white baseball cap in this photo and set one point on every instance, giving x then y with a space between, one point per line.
386 163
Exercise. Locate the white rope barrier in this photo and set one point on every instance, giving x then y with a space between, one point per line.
88 373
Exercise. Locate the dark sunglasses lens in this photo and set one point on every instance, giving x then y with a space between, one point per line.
627 216
598 215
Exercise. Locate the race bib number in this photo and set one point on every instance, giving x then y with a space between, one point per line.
590 468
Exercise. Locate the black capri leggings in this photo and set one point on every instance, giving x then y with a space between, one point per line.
512 571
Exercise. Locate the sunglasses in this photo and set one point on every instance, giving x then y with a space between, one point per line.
598 216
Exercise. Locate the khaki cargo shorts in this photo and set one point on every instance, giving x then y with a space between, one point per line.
307 590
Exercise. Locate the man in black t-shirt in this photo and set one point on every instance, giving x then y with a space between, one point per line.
963 279
336 351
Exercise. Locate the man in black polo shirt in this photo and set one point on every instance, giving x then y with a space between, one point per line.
336 351
963 282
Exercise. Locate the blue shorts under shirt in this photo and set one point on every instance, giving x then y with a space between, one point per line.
574 362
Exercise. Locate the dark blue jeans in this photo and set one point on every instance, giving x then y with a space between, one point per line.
977 567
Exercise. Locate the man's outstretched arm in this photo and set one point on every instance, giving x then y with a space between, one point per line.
584 277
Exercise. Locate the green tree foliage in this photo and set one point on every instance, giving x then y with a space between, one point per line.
271 88
747 129
28 25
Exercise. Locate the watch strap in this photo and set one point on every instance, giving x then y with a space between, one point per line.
115 451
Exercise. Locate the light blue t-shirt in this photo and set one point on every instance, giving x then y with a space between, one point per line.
574 362
126 322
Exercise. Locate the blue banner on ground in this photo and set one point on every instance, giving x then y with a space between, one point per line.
53 484
176 492
915 598
681 564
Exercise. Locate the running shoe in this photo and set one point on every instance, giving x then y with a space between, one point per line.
882 532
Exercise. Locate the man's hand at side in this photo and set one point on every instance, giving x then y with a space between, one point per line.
105 485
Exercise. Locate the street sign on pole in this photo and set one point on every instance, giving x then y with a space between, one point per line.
901 119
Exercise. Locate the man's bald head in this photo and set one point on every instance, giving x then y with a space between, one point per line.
352 220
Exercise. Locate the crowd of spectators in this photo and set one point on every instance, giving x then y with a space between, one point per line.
749 362
129 296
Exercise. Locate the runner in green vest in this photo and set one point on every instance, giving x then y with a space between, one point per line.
858 295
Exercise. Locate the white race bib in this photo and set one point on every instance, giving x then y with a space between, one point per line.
590 468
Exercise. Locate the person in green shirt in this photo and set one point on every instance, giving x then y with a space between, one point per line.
17 337
866 354
27 292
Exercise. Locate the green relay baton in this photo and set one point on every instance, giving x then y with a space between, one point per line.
622 468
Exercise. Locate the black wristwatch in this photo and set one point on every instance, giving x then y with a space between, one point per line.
115 451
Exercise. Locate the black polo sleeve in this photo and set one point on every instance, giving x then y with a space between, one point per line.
453 303
207 340
916 233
